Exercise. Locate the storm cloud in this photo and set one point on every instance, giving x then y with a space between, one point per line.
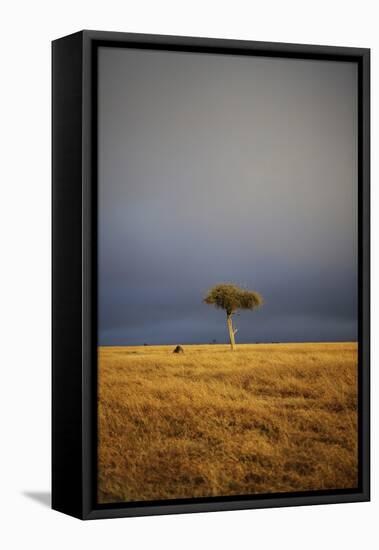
216 168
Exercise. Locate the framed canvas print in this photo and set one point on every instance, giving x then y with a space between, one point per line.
210 275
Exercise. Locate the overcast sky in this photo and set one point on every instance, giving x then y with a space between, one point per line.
216 168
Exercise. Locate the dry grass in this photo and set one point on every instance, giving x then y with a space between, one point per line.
267 418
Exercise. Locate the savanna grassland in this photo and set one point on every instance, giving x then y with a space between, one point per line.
210 422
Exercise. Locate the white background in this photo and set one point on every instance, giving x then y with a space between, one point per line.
26 31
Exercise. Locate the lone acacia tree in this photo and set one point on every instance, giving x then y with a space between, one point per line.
230 298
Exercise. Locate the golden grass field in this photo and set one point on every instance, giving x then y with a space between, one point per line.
210 422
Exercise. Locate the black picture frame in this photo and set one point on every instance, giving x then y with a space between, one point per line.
74 272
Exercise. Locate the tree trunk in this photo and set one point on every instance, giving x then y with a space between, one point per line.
231 332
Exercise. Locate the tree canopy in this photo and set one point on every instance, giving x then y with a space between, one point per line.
231 298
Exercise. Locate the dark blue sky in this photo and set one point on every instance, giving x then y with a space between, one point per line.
217 169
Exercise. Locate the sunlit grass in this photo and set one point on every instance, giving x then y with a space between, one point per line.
209 422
